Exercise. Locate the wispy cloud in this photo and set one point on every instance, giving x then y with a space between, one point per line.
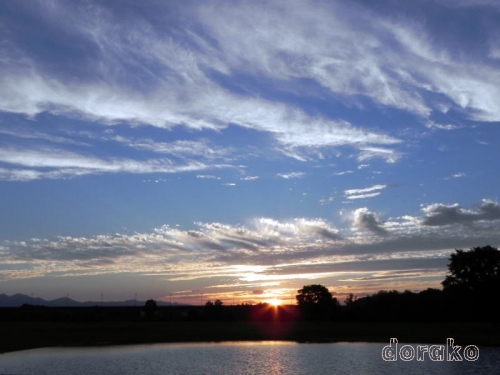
208 177
343 173
34 134
434 125
456 175
291 175
327 200
397 78
353 194
183 93
180 148
363 196
367 153
369 192
56 163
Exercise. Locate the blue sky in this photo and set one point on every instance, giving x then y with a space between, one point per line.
242 150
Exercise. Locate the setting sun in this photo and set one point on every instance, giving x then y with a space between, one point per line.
274 302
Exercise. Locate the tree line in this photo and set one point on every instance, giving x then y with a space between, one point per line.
470 293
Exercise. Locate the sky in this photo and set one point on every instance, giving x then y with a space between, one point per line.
195 150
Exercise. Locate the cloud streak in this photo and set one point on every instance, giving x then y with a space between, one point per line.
369 192
290 175
56 163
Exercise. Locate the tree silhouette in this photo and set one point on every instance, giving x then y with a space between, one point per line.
475 270
473 283
311 295
150 307
350 300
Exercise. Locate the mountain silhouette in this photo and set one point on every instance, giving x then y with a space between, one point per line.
17 300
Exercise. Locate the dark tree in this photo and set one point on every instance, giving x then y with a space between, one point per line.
214 310
311 295
350 300
473 284
474 270
150 307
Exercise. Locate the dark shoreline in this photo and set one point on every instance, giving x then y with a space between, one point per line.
29 335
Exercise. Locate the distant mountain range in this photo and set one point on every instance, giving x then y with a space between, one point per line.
17 300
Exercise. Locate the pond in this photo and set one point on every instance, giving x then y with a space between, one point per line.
235 358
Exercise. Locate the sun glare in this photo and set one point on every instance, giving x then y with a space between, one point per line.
274 302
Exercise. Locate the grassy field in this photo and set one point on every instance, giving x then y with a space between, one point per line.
25 335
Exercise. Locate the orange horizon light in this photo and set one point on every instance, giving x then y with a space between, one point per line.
274 301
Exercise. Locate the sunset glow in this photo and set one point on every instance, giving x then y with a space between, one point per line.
274 302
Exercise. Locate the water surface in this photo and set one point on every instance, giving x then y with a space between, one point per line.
236 358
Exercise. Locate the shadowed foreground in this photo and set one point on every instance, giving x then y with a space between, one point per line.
26 335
